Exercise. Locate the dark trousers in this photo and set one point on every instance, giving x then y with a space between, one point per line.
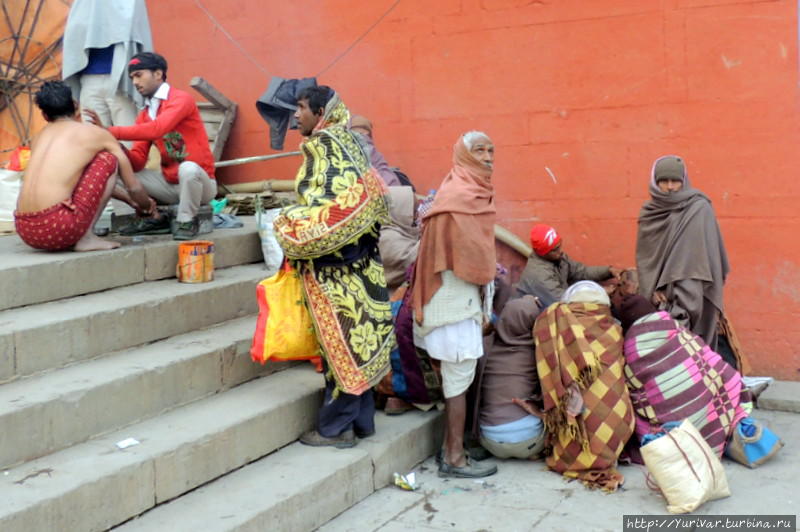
346 412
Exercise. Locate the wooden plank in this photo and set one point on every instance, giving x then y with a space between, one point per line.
212 131
223 132
217 114
214 116
210 93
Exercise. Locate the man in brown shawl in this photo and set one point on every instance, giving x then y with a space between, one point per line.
456 260
680 254
510 425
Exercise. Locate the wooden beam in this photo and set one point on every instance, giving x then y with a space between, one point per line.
210 93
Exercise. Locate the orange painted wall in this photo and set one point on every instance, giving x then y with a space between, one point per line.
593 90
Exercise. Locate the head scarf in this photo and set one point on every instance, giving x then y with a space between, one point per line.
631 308
515 325
335 113
147 61
679 238
458 229
376 158
543 239
362 122
586 292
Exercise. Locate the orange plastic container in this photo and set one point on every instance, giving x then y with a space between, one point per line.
195 261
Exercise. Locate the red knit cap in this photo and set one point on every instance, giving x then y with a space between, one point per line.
543 239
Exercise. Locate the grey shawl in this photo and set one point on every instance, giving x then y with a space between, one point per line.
679 239
378 161
399 240
100 24
547 280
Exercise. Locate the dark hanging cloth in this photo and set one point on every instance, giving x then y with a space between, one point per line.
277 105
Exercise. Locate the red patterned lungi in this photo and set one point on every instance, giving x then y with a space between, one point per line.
60 227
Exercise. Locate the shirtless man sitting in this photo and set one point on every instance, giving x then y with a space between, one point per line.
70 178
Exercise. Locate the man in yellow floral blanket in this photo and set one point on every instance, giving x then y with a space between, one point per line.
331 237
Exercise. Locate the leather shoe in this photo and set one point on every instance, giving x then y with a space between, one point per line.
343 441
470 470
396 406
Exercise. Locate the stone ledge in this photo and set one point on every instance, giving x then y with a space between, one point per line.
781 395
29 276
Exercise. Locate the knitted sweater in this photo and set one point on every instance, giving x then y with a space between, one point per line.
454 301
177 131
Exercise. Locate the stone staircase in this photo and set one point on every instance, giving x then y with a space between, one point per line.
97 348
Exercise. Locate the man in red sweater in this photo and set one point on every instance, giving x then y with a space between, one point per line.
171 121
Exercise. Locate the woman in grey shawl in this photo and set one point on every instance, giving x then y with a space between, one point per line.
680 254
399 239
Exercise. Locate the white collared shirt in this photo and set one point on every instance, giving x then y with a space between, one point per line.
154 102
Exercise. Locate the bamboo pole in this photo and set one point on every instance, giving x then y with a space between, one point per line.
255 159
287 185
254 187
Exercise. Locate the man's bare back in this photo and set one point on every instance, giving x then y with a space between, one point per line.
70 177
59 155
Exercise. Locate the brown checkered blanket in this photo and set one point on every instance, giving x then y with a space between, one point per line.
581 344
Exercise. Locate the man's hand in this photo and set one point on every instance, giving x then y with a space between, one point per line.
615 272
658 298
143 202
528 406
574 400
93 118
148 213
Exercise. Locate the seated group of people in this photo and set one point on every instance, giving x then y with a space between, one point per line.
564 371
553 363
73 169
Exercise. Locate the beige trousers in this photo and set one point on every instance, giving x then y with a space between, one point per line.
524 450
194 188
113 109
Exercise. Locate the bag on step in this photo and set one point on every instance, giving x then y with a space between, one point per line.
687 471
284 330
270 249
752 443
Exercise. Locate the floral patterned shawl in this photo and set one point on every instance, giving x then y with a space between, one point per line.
341 197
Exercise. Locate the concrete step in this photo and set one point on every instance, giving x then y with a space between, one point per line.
52 335
300 488
49 412
95 485
29 276
781 395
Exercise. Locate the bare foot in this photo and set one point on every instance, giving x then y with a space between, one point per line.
93 243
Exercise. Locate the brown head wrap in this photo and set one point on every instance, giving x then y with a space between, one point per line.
458 230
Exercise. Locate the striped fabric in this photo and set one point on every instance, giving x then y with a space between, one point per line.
580 344
673 375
